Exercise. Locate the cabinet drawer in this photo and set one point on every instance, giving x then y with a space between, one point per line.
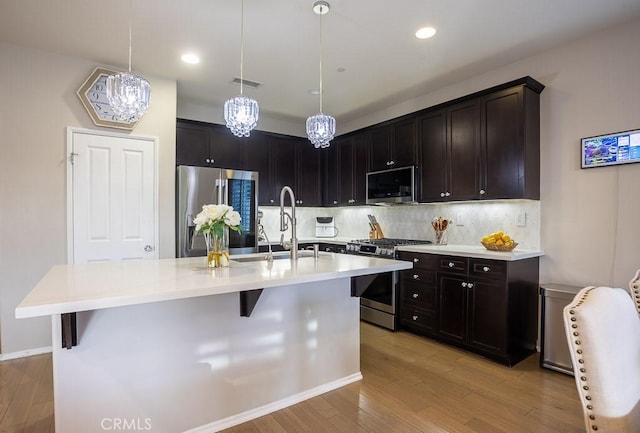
453 264
418 275
418 296
417 318
419 260
494 269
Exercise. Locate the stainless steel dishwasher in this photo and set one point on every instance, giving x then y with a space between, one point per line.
554 350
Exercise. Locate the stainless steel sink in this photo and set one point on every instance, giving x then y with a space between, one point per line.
262 257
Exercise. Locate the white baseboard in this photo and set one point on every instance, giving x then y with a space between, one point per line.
25 353
276 405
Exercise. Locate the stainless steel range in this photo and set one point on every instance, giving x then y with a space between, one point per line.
379 303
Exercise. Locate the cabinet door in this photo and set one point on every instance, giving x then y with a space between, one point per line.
258 158
503 144
432 151
464 156
452 308
360 143
380 157
192 144
309 174
283 151
226 150
330 193
403 143
488 315
345 171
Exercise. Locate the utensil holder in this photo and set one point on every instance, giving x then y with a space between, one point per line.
441 237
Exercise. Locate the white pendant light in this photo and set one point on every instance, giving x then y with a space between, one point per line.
241 112
128 93
321 127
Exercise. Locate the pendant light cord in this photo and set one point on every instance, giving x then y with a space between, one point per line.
241 45
130 12
321 61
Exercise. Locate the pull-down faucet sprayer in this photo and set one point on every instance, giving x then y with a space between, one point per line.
293 243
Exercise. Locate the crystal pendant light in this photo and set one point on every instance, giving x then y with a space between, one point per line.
321 127
241 112
128 93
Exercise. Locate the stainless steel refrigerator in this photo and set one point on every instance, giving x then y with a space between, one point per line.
197 186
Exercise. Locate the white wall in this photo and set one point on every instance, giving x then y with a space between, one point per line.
37 103
589 228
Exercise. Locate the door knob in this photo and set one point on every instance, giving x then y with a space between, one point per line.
148 248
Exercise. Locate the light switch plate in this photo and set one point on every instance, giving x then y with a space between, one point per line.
522 219
459 219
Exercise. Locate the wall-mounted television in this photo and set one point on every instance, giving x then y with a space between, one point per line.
611 149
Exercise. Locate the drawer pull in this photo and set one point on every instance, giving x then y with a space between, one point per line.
464 285
451 264
470 285
416 276
486 269
415 296
416 260
415 318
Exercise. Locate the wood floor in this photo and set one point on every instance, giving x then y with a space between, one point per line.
414 385
411 385
26 395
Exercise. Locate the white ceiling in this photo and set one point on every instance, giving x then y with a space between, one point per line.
371 39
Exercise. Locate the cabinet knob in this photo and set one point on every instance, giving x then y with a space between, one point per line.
470 285
464 285
447 193
328 249
415 296
486 269
335 202
416 276
416 260
441 194
207 160
483 192
271 201
391 162
451 264
415 318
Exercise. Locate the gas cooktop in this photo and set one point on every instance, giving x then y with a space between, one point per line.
380 247
390 242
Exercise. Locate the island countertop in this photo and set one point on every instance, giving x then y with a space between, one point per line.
94 286
473 251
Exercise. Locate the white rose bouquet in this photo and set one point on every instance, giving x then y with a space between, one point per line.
213 219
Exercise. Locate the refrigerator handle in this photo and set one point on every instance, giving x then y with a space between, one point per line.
221 191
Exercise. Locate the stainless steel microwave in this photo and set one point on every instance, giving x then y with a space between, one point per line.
394 186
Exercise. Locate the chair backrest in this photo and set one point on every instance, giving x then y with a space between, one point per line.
603 332
634 288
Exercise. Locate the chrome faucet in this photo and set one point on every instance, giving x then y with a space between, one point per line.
293 244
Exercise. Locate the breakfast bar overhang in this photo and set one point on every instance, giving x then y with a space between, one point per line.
164 346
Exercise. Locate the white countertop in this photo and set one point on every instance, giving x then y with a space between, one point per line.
473 251
313 240
94 286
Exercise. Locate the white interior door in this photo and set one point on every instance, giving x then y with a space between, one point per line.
114 212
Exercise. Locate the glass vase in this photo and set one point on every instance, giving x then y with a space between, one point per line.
217 249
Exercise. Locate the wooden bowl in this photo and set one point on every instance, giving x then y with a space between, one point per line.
494 247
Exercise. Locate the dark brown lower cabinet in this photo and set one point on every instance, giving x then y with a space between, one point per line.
489 307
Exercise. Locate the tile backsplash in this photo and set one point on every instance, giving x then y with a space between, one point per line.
470 221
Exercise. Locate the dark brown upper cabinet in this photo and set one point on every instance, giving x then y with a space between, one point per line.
393 145
207 145
346 169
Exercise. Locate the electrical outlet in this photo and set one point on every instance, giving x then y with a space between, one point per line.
459 219
521 221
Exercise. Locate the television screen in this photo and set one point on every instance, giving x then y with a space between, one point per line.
611 149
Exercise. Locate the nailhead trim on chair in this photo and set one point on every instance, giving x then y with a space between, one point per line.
583 368
635 289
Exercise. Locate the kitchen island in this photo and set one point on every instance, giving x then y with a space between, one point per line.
172 346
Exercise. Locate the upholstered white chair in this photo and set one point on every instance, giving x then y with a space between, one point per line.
603 332
634 288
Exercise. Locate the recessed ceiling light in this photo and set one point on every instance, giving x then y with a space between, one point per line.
190 58
425 32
